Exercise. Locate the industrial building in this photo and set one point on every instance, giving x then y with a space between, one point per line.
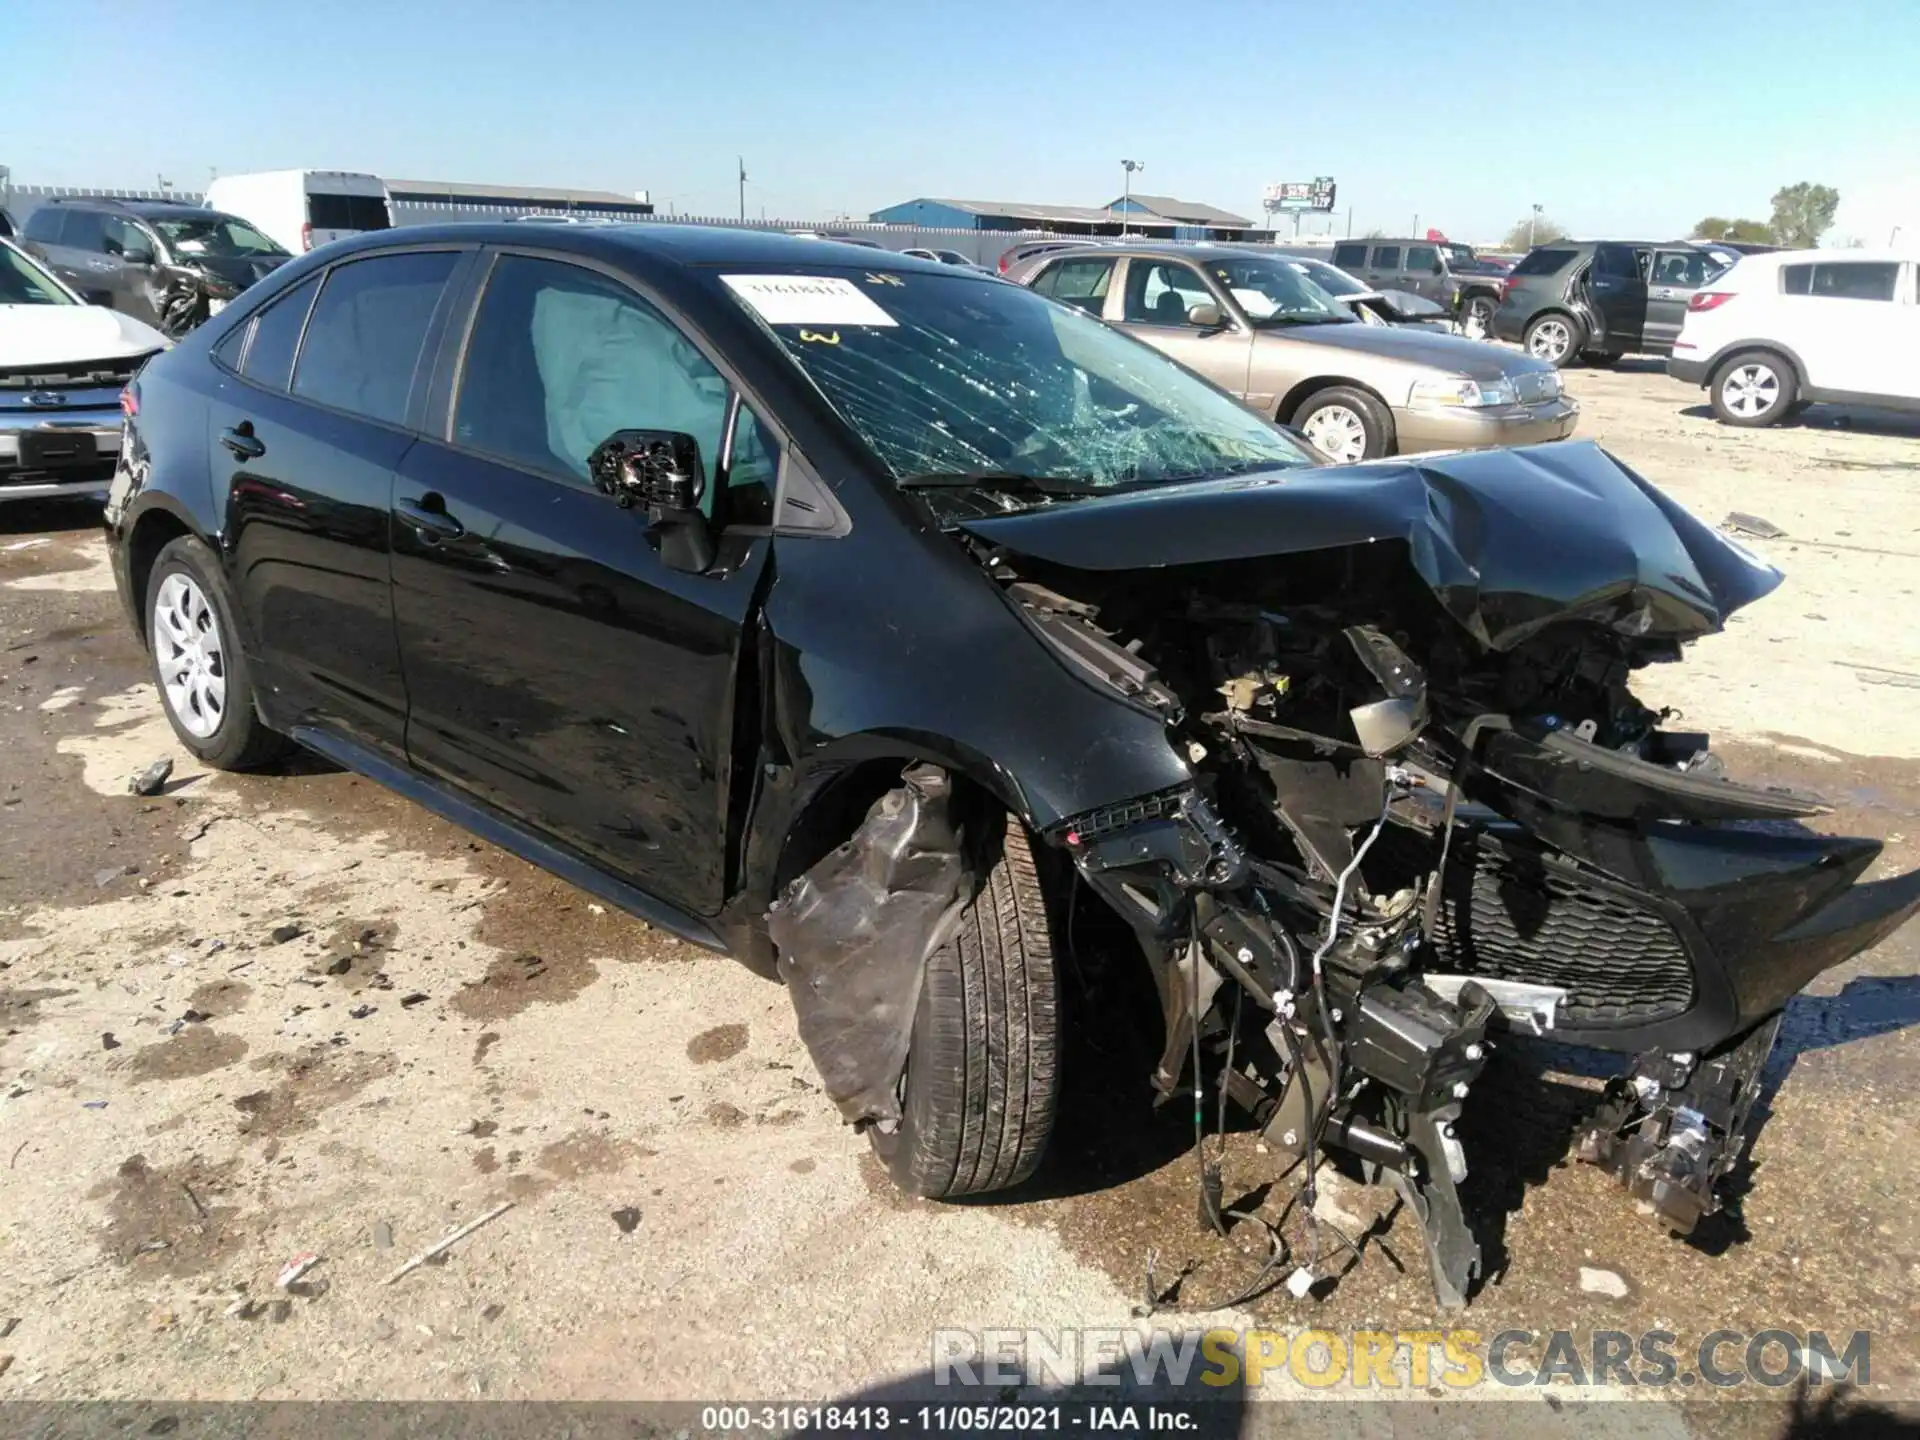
1161 216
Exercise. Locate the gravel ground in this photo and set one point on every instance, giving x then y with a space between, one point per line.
257 1017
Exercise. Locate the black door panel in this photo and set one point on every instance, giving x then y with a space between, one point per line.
560 672
307 532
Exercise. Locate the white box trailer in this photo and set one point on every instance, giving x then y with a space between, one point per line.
303 209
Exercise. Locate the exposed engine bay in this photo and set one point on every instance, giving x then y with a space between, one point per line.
1427 811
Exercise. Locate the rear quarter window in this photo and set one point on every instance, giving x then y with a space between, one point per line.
1842 280
1544 262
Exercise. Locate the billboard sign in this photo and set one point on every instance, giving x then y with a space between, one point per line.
1315 194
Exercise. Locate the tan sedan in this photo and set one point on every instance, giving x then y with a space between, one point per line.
1261 329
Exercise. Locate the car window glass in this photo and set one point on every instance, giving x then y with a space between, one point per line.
276 334
347 212
1686 269
363 340
81 230
561 357
118 236
1349 255
44 225
1420 258
1843 280
22 282
1543 262
1386 257
753 466
1080 282
1616 262
1160 292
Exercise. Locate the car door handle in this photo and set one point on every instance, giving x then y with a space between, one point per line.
429 519
240 440
1665 294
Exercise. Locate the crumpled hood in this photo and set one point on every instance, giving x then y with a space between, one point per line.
64 334
1454 354
236 270
1510 541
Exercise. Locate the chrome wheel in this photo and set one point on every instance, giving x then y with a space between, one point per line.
1550 340
190 655
1337 433
1750 390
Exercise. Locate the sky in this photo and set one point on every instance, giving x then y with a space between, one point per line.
1623 118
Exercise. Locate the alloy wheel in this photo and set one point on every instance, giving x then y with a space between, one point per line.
1750 390
191 655
1551 339
1337 433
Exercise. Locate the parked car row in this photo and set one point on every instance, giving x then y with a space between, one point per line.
1257 325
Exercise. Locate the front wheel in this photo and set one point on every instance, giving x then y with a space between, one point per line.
205 686
1476 317
1554 338
1345 425
1753 388
983 1065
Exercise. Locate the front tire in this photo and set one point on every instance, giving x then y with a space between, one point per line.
983 1068
1476 317
1754 388
1555 338
202 675
1345 425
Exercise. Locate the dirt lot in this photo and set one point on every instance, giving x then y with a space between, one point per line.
255 1017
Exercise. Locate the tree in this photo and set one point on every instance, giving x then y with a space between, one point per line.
1803 213
1537 230
1716 227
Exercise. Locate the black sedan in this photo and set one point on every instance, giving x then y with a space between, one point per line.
837 609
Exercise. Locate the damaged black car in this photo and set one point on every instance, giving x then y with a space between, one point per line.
858 615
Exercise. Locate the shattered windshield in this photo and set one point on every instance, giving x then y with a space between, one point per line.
24 283
973 380
222 237
1274 292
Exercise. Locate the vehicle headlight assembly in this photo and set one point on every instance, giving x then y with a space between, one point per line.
1463 393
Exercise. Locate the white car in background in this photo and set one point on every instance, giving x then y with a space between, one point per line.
305 209
63 364
1781 331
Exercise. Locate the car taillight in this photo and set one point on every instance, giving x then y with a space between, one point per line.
306 237
130 401
1507 285
1709 299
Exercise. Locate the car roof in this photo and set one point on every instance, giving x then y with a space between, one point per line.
1802 257
662 243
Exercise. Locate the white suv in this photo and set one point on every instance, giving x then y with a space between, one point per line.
1783 331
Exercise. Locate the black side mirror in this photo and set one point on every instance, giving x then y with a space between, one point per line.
138 253
660 470
1439 267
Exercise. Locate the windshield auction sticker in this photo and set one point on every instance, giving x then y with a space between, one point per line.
807 300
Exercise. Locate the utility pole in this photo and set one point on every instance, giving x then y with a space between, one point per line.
1532 221
743 187
1126 203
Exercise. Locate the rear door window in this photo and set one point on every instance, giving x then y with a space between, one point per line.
1842 279
44 225
1386 257
1543 262
1081 283
1350 257
84 230
268 359
1616 261
1420 259
347 212
363 339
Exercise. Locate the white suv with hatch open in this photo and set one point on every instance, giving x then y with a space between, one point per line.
1779 332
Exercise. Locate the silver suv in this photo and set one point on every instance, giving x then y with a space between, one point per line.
1450 275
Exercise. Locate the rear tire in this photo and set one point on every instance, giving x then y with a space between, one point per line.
983 1075
1555 337
1345 425
1753 388
199 669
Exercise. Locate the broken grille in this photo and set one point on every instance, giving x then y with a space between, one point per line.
1521 915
